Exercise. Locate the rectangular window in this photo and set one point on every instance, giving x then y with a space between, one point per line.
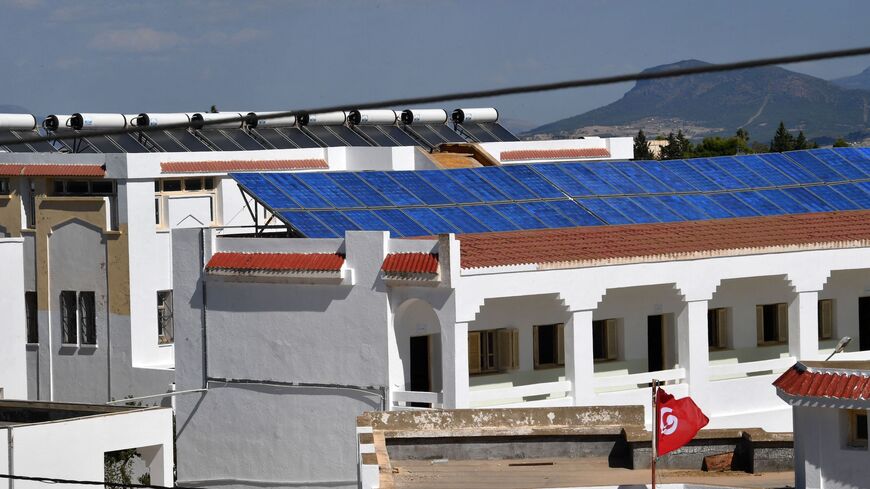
717 328
771 322
208 183
549 340
68 319
826 319
192 184
604 340
494 350
4 186
165 329
31 317
30 206
157 211
857 429
102 187
172 185
87 321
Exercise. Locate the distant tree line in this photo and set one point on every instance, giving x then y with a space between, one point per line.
680 147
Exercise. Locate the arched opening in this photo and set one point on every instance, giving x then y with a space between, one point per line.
844 310
418 338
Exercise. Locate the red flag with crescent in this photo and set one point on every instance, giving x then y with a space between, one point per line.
679 420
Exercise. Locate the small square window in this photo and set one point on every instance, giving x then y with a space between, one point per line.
857 429
192 184
208 183
171 185
77 187
105 187
494 350
58 186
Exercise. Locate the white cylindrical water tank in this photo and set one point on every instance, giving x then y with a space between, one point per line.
200 117
323 119
17 122
376 116
57 122
152 119
255 119
79 121
424 116
487 114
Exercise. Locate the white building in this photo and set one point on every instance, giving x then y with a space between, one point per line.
830 401
70 441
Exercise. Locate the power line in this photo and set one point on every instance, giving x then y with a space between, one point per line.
52 480
496 92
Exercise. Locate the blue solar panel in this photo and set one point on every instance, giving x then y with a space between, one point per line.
759 203
417 186
689 174
615 178
452 189
430 220
789 167
842 166
591 181
856 157
327 189
519 216
681 206
478 185
268 193
663 173
808 199
308 225
713 171
604 211
657 208
854 193
461 219
640 177
740 171
547 214
336 221
698 204
493 219
367 220
784 201
833 198
734 205
401 222
566 182
534 182
573 211
395 193
815 166
504 182
300 192
631 210
359 189
766 170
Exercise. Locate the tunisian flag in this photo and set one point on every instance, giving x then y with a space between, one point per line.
679 421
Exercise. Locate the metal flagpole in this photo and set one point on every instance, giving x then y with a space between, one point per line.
655 431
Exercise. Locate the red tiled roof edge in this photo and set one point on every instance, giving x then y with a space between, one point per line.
798 381
664 241
51 170
241 165
276 262
410 263
540 154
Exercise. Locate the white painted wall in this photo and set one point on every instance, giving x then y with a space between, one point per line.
620 148
74 448
822 459
13 373
189 211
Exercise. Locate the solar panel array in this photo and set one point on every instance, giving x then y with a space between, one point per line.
41 147
553 195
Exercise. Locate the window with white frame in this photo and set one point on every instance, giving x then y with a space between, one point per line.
78 318
189 186
771 322
857 429
165 328
604 340
717 328
549 349
826 319
493 350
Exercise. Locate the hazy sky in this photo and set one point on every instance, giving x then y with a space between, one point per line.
158 56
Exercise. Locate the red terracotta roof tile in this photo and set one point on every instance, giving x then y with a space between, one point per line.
554 154
15 169
241 165
665 241
276 262
801 381
410 263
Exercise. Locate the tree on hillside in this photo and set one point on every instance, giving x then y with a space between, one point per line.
677 148
743 135
685 144
801 142
782 140
841 143
641 147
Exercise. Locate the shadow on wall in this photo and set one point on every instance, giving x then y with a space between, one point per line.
228 296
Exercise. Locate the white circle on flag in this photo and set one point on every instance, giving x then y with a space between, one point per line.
668 421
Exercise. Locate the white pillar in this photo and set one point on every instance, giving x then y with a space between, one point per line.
454 365
579 364
803 325
693 347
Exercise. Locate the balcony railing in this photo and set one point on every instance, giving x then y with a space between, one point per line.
557 394
401 399
745 369
633 381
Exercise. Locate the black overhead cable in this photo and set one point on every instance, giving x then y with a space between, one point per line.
52 480
497 92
